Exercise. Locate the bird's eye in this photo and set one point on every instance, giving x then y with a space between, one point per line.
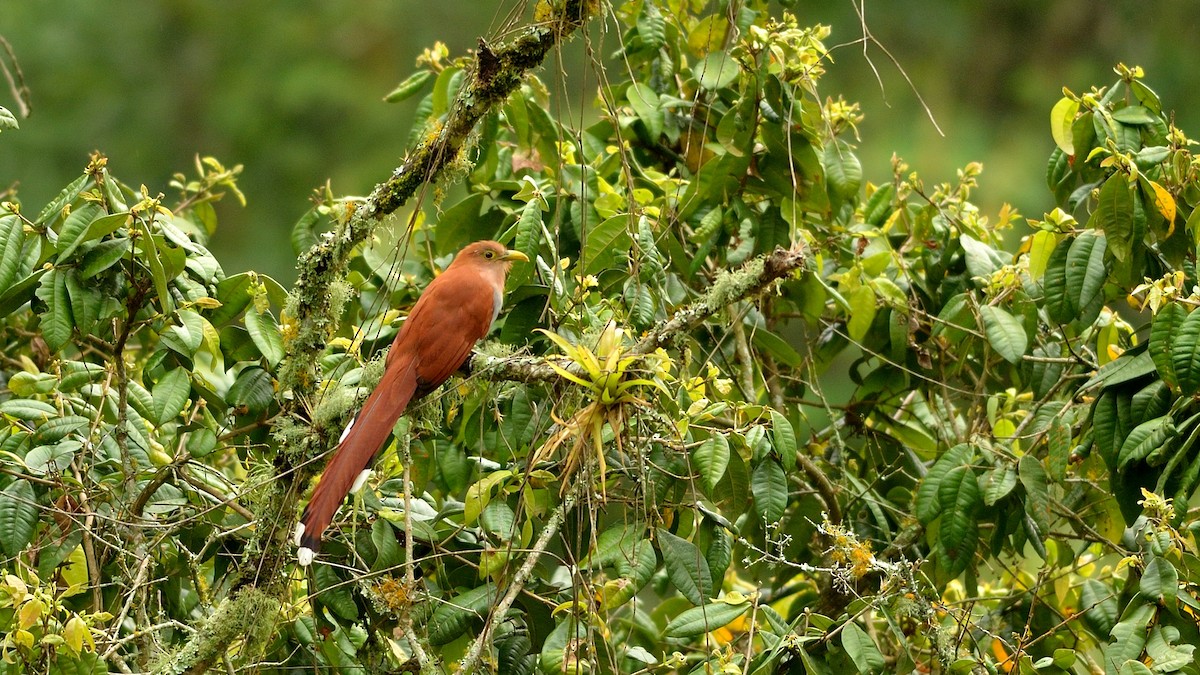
489 254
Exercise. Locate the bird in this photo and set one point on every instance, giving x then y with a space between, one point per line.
455 311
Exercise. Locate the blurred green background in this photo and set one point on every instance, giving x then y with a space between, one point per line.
293 91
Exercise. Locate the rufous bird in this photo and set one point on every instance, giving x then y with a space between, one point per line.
453 313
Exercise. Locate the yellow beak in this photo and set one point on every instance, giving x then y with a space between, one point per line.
514 255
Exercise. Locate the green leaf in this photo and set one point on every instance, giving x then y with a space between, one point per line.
712 458
997 484
1144 439
7 119
862 312
1086 274
265 334
18 516
1062 116
647 107
171 395
1165 339
1060 305
862 650
150 256
56 321
75 228
1114 215
1185 353
201 442
1128 636
1005 333
768 484
1101 610
252 393
716 71
12 241
334 593
704 619
52 459
1058 443
27 409
528 239
960 500
409 87
1127 367
1160 582
928 506
843 171
783 439
55 429
86 302
1135 115
686 567
1037 491
69 194
606 241
451 618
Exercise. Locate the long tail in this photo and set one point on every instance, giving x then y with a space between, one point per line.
360 441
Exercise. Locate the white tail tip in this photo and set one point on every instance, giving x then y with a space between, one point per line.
346 431
297 534
361 480
305 556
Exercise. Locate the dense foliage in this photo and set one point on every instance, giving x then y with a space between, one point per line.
656 465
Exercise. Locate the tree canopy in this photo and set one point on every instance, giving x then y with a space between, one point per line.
753 408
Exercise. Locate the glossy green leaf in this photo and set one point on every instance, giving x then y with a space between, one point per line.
1037 491
1062 116
75 228
1160 581
716 70
862 650
712 458
928 505
1144 439
56 321
1166 340
1185 352
12 240
69 194
768 485
103 256
1060 305
843 171
265 334
409 87
18 517
171 394
704 619
862 312
605 242
1099 603
686 567
647 107
783 438
1128 636
452 617
960 500
1086 274
997 484
1114 216
1005 333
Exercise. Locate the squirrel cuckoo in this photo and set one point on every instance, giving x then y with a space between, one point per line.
453 313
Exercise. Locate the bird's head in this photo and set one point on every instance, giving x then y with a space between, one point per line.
489 255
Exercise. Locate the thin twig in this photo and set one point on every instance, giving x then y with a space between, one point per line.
471 660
